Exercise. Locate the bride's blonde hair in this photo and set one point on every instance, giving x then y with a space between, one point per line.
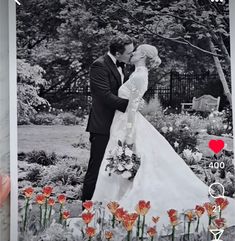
151 53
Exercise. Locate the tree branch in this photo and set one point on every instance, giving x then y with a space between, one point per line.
179 40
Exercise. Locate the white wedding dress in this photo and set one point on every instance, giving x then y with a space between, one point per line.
163 177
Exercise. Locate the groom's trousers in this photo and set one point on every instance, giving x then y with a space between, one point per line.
98 146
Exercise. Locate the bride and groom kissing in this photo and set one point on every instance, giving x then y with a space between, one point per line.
163 177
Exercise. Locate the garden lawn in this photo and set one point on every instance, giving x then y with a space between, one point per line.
55 138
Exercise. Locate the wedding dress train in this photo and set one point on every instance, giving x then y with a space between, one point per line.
163 178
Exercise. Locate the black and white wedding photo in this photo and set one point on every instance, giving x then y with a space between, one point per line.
125 128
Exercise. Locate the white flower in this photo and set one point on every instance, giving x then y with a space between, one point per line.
197 156
126 174
129 166
187 154
213 121
120 167
211 115
128 152
164 129
186 128
225 126
176 144
170 129
119 151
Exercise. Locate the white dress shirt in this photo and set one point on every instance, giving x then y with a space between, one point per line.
118 68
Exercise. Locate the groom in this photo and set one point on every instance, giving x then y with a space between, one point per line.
106 76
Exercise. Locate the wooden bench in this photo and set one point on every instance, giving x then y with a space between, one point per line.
205 103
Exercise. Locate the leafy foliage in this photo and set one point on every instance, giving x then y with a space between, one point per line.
30 80
65 37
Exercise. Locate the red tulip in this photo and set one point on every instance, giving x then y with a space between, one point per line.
40 199
61 198
90 232
66 214
88 205
152 231
199 210
113 206
129 220
155 219
120 212
172 213
28 192
222 202
219 223
108 235
51 202
210 208
47 190
142 207
87 217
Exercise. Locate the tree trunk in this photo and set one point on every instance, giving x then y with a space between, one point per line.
220 71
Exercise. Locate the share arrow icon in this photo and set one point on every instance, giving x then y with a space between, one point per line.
217 233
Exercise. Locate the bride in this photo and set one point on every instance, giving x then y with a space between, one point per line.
163 178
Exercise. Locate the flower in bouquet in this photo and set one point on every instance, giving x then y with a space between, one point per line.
47 190
61 199
90 231
28 193
173 216
222 203
210 209
51 203
128 223
188 154
197 156
108 235
199 211
87 217
123 161
113 206
152 232
88 205
142 208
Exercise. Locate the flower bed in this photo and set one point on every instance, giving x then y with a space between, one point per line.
41 222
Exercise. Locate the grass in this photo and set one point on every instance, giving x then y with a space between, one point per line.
57 138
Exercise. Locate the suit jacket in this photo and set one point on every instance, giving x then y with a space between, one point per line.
105 81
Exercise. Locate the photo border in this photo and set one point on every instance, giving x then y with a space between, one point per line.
13 107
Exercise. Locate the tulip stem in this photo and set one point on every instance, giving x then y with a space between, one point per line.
26 213
220 213
152 238
128 235
40 216
173 233
197 228
61 205
49 216
142 231
45 214
113 221
189 223
138 228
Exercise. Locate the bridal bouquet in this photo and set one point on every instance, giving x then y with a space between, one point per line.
123 161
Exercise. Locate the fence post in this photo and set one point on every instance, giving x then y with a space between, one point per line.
171 86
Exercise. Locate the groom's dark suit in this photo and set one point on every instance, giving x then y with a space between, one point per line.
105 81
